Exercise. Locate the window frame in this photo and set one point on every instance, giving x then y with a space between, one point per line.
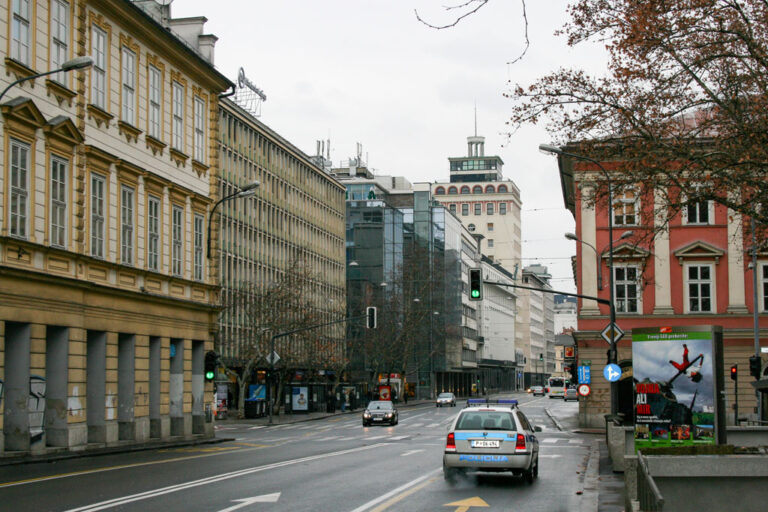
21 31
97 220
127 224
99 89
464 209
199 149
198 240
59 50
624 283
502 208
177 242
154 102
128 80
177 112
154 224
712 287
490 209
621 201
18 193
698 205
59 209
478 208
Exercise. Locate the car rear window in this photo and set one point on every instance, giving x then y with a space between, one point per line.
486 420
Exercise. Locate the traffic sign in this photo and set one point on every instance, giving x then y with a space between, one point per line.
272 358
612 372
584 374
584 389
612 334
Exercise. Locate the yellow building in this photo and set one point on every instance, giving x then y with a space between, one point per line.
106 301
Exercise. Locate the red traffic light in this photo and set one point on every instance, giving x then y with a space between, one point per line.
734 372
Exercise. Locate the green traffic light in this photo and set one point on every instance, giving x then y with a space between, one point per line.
209 375
475 294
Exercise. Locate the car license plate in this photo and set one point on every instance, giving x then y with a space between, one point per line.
485 443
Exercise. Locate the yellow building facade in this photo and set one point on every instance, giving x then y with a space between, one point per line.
107 304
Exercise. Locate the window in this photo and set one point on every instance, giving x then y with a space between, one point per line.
489 189
58 201
699 288
198 247
465 209
177 266
19 166
626 289
478 208
98 184
764 287
126 225
452 190
489 208
153 233
178 116
465 189
199 130
20 31
129 86
477 189
698 213
99 69
502 189
155 95
490 226
625 208
490 243
59 36
502 208
453 208
439 191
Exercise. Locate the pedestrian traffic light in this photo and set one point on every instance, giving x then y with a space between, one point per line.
475 284
211 358
734 372
370 320
755 366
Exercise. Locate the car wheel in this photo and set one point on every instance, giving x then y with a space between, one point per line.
528 475
536 468
437 405
365 424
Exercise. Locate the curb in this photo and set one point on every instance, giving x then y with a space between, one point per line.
591 491
110 450
554 420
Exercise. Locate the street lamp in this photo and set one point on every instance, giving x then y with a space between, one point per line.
246 191
71 65
571 236
547 148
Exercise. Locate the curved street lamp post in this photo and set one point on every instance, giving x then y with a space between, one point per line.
81 62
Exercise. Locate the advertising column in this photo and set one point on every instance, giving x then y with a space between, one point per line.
678 376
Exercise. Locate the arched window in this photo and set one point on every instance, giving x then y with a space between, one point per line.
439 191
502 189
452 190
489 189
471 227
477 189
465 189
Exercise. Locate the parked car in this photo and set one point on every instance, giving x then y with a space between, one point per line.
491 436
380 411
445 399
571 394
537 390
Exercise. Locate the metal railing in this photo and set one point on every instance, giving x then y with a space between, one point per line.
648 494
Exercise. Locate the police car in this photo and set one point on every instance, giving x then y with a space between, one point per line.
492 436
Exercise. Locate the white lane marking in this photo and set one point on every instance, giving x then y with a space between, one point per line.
264 498
398 438
410 452
213 479
256 427
549 440
372 437
414 416
393 492
433 425
549 456
576 441
328 438
415 425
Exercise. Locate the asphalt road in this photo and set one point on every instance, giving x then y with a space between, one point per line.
332 464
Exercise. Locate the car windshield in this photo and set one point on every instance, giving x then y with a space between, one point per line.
486 420
379 406
445 395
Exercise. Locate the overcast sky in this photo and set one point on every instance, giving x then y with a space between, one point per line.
368 72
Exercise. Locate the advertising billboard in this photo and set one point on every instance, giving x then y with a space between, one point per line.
678 373
300 398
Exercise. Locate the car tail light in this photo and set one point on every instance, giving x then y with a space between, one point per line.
450 443
520 444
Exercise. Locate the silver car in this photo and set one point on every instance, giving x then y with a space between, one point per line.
445 399
491 436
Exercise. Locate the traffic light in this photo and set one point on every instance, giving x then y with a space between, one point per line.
541 357
755 366
370 320
211 358
475 284
734 372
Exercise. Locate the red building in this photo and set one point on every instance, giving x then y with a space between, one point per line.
696 272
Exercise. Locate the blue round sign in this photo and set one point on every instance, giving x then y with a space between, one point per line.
612 372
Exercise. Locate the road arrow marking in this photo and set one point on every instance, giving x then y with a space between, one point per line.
264 498
464 505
